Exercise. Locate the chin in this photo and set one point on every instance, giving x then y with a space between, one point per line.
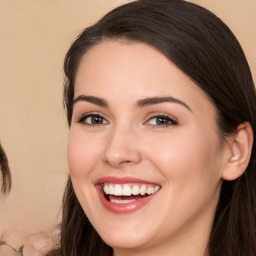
128 240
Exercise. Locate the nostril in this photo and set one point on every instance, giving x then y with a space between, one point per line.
125 162
117 162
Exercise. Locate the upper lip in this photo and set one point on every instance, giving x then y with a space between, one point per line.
122 180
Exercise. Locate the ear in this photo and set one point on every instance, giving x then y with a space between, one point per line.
240 147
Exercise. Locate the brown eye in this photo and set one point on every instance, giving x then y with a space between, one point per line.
161 121
97 120
93 120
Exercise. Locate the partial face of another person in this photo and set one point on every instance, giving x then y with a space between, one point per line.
144 152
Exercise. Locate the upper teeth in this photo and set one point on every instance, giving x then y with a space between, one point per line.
129 189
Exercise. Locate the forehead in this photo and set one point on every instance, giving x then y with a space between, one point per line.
134 70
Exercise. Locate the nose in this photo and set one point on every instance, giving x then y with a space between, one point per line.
121 148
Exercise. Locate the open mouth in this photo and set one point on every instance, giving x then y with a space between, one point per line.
127 193
124 195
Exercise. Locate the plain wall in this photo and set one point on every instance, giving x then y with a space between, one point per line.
34 36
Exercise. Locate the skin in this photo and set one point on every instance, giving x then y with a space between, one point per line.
36 244
185 157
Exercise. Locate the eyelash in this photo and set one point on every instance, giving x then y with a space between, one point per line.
83 118
165 118
168 121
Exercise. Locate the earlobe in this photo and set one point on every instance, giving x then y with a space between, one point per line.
240 146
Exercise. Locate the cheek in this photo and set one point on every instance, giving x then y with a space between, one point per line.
188 157
82 153
190 169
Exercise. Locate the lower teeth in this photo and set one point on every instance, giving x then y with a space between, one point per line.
122 201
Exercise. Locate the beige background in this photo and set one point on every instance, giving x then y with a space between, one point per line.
34 36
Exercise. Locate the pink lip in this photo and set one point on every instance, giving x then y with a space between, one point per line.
122 208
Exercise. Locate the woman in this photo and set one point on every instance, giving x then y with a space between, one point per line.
6 175
161 107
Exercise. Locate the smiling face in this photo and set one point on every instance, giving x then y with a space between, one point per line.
144 152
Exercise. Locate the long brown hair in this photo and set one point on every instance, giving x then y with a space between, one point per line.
205 49
6 174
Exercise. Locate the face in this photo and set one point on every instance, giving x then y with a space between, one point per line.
144 153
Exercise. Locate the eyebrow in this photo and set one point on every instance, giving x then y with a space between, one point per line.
158 100
140 103
94 100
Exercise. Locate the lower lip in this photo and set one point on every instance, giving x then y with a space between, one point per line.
123 208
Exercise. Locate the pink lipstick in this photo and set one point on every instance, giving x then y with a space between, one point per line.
125 195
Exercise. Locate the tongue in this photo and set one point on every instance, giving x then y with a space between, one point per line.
112 197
